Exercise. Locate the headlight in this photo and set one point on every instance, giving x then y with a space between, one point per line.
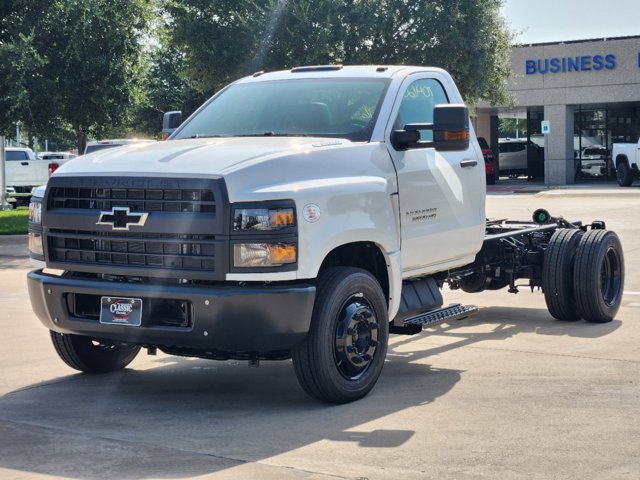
263 254
35 212
35 228
263 218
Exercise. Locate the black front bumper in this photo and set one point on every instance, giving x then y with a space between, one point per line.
240 319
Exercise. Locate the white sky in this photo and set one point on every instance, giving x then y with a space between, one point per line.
558 20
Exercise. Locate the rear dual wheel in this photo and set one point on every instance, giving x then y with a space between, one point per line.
583 275
598 276
557 273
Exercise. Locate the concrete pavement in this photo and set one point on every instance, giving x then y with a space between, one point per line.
508 393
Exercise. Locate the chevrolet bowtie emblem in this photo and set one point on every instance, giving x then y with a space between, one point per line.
121 218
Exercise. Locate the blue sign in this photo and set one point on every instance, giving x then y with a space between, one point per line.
583 63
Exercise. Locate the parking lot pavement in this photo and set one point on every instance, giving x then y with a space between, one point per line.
508 393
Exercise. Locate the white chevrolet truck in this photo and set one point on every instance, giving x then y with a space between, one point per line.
626 159
302 214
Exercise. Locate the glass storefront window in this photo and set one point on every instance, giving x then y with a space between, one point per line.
596 129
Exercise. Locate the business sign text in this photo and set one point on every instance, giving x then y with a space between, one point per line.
582 63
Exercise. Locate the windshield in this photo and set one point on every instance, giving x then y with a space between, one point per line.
311 107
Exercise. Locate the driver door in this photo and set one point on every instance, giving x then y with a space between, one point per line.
441 201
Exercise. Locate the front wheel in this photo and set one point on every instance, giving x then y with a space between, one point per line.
623 174
343 355
91 355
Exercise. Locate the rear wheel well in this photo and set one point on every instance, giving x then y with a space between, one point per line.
365 255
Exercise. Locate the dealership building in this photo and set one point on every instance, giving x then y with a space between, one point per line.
577 97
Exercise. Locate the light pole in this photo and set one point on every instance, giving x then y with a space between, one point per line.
18 125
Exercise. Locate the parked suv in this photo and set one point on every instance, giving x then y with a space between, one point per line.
514 159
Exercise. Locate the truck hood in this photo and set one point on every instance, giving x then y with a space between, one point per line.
212 156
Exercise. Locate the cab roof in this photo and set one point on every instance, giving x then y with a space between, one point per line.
339 71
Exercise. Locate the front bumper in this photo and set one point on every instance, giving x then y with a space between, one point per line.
238 319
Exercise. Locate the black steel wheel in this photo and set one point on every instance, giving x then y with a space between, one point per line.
624 174
343 355
91 355
598 276
557 274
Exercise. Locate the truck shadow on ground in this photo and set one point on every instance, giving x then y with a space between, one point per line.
192 417
185 417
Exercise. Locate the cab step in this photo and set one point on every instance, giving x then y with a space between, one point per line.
452 312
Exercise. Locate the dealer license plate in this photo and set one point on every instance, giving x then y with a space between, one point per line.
121 311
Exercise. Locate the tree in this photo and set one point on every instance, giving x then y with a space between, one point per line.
79 62
224 39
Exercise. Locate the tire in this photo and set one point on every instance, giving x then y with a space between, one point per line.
557 274
623 174
343 355
598 279
91 355
477 282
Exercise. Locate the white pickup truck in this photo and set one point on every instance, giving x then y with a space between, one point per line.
302 214
626 159
24 171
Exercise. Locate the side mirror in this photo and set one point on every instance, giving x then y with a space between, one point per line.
170 122
451 127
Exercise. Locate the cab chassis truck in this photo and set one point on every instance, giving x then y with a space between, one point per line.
304 214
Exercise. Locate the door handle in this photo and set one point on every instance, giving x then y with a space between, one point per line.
468 163
24 163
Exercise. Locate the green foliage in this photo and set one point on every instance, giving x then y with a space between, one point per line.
14 222
512 127
112 67
75 62
225 39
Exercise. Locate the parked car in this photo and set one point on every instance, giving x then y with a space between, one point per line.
19 153
515 159
491 171
118 142
594 161
24 171
56 159
626 160
11 199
